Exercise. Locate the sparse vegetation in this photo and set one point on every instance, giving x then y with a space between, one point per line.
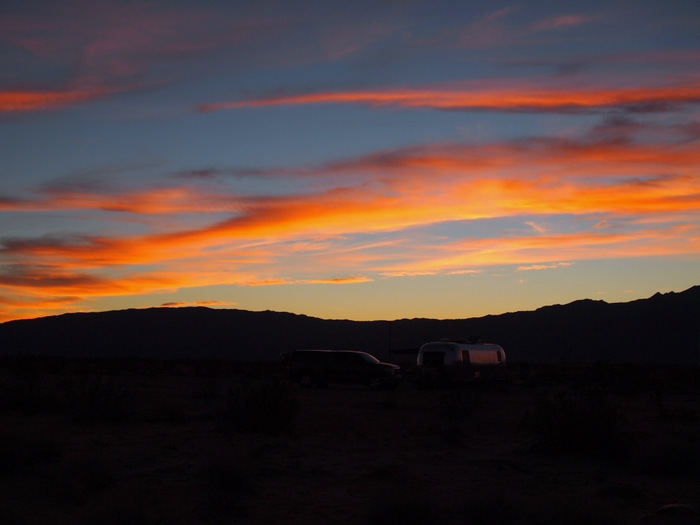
103 399
265 406
490 505
21 450
132 510
666 456
227 485
459 402
568 511
136 442
578 421
405 506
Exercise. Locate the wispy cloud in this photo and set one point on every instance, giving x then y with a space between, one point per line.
497 96
565 22
544 266
507 26
93 51
19 101
178 304
74 52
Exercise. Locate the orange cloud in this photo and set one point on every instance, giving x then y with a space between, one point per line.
543 266
16 101
494 97
530 251
375 224
338 280
451 188
179 304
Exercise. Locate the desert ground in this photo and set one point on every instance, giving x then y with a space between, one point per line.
210 442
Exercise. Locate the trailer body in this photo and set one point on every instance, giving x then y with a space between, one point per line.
453 361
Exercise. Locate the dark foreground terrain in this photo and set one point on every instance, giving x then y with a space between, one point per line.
164 442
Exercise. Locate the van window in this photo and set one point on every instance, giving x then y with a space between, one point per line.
348 359
311 357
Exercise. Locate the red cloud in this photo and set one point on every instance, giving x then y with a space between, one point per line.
16 101
491 98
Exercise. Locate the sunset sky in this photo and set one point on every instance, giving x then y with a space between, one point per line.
361 160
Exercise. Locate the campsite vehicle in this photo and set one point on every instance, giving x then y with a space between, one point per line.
320 367
450 360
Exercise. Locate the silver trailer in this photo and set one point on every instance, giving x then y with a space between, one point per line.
454 361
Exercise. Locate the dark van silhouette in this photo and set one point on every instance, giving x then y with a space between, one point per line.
320 367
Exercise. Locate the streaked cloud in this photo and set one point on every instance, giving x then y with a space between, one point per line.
498 96
565 22
180 304
116 47
543 266
17 101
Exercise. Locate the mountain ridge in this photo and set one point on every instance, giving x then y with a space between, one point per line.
664 328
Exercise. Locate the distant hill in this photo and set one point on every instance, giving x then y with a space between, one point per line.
664 328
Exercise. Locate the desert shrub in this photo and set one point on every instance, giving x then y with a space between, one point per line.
268 407
69 484
568 511
458 402
579 421
489 506
208 388
119 510
494 505
227 485
20 451
24 396
388 472
405 507
26 390
172 411
668 457
95 474
103 399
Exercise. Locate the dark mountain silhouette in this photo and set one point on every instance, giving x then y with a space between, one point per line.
664 328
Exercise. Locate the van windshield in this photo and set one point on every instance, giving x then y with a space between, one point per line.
368 358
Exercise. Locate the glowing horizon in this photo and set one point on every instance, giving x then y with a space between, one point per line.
139 171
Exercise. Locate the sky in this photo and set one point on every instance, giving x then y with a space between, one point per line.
347 160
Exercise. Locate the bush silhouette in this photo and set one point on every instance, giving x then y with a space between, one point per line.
578 421
268 407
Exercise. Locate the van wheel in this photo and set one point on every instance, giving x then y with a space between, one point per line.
305 380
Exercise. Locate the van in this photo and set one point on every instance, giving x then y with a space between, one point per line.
320 367
454 361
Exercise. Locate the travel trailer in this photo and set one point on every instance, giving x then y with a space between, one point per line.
451 360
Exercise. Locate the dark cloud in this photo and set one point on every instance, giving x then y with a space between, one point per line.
17 245
39 276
